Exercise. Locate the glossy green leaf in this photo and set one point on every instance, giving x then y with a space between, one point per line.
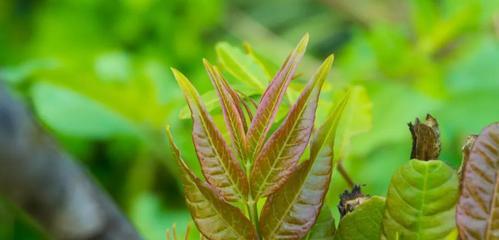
286 145
73 114
324 228
478 208
292 210
218 163
241 66
420 201
233 115
272 98
214 218
363 223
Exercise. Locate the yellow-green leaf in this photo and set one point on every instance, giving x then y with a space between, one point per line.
241 66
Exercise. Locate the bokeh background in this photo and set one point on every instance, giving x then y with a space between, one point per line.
96 75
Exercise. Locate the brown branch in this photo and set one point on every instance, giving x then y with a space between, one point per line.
46 183
343 172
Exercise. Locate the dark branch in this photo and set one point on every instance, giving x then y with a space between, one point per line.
425 139
46 183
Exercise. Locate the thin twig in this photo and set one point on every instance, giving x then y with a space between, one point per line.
345 175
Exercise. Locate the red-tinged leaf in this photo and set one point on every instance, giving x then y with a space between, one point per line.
272 98
233 115
285 146
218 163
292 210
215 219
477 214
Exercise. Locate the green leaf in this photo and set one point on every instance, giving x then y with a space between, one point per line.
478 207
292 210
74 114
286 145
363 223
272 98
420 201
241 66
324 228
214 218
218 163
233 115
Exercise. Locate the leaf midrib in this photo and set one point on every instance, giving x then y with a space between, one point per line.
236 188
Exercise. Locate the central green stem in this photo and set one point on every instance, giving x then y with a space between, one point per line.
253 213
251 203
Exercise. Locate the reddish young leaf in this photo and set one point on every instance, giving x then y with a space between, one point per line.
218 163
271 99
286 145
477 214
233 115
292 210
215 219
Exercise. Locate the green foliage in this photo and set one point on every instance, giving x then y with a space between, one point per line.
364 222
324 228
295 191
111 59
421 201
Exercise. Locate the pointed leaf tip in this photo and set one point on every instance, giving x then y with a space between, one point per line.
218 163
302 45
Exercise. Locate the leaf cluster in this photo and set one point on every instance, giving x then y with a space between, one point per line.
257 184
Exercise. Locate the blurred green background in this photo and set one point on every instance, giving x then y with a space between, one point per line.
96 74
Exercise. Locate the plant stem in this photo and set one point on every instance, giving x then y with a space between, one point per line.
345 175
253 213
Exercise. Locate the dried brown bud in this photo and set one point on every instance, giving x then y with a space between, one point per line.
350 200
425 139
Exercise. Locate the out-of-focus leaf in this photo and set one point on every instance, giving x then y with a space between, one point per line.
324 228
272 98
363 223
76 115
17 74
420 201
478 208
214 218
151 218
291 211
241 66
357 119
113 67
218 163
269 67
286 145
233 115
